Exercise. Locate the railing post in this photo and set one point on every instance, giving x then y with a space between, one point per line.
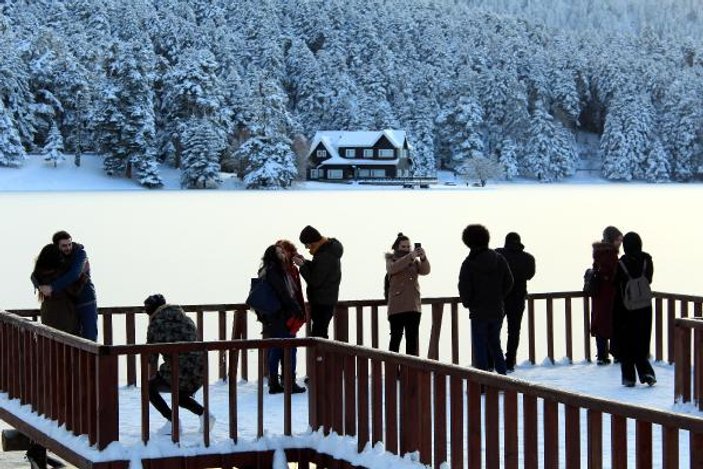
131 359
455 334
341 323
436 330
106 400
682 370
698 368
550 329
671 316
587 327
658 329
222 335
531 328
569 333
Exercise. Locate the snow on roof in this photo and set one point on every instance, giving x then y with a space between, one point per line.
334 139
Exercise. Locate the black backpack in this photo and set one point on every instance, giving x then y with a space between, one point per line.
590 281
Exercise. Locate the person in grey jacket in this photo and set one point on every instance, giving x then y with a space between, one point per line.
484 282
322 274
404 266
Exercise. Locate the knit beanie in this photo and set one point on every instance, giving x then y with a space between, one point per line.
153 302
512 239
310 235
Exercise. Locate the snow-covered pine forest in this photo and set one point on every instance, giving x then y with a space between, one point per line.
242 85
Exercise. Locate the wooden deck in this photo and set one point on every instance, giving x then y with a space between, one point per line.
75 382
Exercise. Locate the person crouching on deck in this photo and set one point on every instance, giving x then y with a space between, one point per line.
168 323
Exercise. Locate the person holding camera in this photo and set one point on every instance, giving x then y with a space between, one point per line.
403 267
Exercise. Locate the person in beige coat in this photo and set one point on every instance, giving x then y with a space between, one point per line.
403 267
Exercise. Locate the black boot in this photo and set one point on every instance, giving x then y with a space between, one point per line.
36 455
275 385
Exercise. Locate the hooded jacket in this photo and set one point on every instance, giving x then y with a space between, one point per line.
522 266
323 273
170 324
484 282
605 263
403 287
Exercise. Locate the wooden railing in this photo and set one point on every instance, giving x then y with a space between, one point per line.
350 395
437 410
689 361
562 319
62 377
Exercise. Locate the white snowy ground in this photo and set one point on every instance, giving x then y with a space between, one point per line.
583 378
37 175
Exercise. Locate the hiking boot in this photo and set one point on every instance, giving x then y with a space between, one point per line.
275 385
628 383
603 361
36 456
297 389
649 379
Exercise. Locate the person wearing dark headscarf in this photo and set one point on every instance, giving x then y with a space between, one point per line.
633 327
522 266
605 263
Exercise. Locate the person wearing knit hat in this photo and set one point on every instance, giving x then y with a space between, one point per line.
322 274
605 263
632 329
169 323
522 266
309 235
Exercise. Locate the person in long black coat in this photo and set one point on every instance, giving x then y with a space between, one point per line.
633 328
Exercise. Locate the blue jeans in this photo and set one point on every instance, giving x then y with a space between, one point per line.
485 336
88 318
275 357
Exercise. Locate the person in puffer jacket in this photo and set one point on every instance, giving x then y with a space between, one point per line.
169 323
484 282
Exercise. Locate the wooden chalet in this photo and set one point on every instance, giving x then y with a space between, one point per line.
338 155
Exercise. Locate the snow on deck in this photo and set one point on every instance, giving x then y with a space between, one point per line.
585 378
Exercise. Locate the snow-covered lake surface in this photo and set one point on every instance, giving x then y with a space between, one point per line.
202 247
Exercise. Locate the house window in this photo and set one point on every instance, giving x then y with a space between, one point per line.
335 174
314 173
368 153
322 153
385 153
350 153
378 173
364 173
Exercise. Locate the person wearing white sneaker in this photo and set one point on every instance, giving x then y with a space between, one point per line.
168 323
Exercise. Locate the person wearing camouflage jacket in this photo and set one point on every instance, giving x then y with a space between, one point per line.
168 323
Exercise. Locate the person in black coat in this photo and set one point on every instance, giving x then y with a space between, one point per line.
484 282
276 324
522 266
322 274
633 328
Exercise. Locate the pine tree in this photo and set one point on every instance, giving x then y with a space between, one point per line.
53 148
508 158
626 137
657 163
202 145
12 152
550 152
270 163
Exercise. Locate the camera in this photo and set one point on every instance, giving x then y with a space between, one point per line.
418 245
